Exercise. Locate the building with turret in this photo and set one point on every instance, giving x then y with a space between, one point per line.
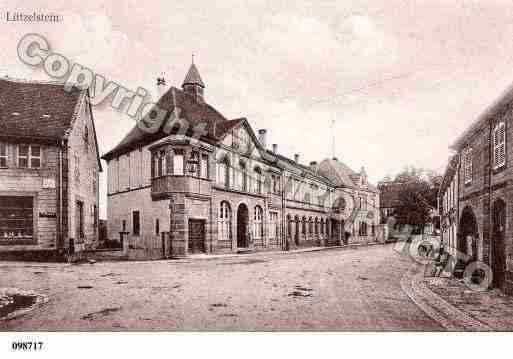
192 181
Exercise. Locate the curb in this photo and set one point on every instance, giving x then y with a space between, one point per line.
203 257
40 300
444 313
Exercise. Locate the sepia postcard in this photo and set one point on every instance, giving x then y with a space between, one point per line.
289 167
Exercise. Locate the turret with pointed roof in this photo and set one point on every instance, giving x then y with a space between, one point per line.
193 84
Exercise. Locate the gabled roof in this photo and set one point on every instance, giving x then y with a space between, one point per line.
193 77
337 172
194 112
42 110
504 100
449 173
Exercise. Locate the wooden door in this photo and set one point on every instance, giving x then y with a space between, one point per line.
196 236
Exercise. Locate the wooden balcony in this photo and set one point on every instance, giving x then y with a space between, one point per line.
165 186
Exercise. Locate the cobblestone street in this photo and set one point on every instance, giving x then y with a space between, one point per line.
339 289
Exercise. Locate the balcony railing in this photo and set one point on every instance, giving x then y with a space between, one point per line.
164 186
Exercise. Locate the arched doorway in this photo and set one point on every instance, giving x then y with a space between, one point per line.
467 233
242 226
498 248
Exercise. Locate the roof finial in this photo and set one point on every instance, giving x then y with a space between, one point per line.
193 58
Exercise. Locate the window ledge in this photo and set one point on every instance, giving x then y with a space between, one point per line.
14 242
498 169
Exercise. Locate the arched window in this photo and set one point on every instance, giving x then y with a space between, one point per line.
310 226
258 224
225 221
316 228
303 227
289 225
223 173
178 162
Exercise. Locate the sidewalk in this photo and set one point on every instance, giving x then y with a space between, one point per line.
492 308
205 256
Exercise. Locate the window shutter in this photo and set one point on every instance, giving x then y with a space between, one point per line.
499 145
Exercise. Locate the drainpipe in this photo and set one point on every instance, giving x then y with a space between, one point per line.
490 229
285 245
59 228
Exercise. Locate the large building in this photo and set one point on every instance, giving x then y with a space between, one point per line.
482 186
49 167
448 205
224 190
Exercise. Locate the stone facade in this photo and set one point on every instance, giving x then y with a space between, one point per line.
485 191
448 205
53 182
227 192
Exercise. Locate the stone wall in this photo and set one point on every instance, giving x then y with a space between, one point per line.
83 179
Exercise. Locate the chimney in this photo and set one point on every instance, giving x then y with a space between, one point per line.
313 164
335 159
262 137
296 158
275 148
161 86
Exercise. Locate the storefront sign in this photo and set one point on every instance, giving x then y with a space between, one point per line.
47 215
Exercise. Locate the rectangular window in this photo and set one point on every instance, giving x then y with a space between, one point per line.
160 164
16 219
94 181
35 156
499 145
3 155
154 159
204 166
95 214
467 165
29 156
178 163
157 226
77 166
136 223
221 174
23 156
80 220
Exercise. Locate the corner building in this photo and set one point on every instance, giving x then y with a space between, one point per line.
171 193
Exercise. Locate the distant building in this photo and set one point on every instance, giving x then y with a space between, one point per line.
227 192
49 168
388 198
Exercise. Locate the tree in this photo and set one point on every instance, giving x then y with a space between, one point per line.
417 196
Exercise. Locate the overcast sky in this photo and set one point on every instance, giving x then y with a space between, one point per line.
401 79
